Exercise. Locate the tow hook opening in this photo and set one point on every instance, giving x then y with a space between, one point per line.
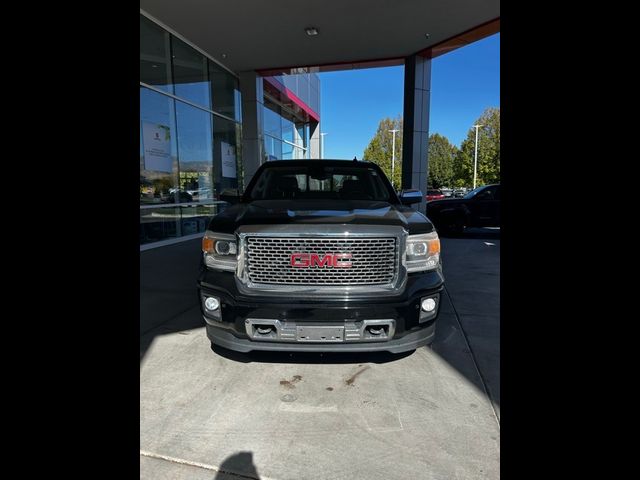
377 329
264 329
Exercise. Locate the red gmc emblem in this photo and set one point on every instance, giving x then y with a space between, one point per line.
306 260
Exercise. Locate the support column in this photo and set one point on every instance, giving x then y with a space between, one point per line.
252 138
415 136
314 139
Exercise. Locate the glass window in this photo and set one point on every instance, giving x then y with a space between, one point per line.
195 148
300 137
486 194
226 155
315 182
288 128
314 93
306 141
158 167
238 106
289 81
190 73
226 92
287 151
158 162
271 120
155 61
272 148
303 88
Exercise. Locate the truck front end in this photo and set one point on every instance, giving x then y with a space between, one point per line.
347 274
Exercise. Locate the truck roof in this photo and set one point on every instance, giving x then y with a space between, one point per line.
324 162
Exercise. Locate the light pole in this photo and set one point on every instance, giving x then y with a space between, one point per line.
393 155
322 144
475 161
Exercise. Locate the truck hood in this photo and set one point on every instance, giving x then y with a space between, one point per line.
345 212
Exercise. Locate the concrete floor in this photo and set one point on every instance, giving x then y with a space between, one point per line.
216 415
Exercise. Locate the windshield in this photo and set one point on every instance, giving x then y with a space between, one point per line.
473 193
321 182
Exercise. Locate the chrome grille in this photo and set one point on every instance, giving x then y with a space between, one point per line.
373 260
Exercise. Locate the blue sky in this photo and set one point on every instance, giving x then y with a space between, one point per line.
463 83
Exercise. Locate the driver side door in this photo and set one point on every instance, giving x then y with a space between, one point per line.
485 208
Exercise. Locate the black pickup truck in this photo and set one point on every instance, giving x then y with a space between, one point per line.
321 255
478 208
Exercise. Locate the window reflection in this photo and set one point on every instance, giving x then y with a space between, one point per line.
158 166
271 120
300 139
195 153
287 151
285 125
226 92
226 171
273 148
187 154
190 74
155 61
158 174
287 130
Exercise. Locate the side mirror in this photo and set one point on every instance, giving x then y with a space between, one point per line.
230 196
409 197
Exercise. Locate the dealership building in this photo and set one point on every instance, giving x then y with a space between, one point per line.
191 130
222 91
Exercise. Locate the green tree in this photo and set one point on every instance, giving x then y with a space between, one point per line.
442 155
379 150
488 152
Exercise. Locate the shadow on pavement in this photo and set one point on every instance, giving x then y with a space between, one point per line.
187 320
309 357
238 465
168 295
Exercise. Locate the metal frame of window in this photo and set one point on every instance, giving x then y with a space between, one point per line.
304 149
191 44
188 102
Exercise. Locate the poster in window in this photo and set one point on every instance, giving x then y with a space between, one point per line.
228 160
157 147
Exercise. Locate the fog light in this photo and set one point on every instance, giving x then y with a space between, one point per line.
428 304
211 303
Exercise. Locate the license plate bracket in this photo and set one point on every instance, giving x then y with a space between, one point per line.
320 333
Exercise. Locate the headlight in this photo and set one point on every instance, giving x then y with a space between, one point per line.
220 251
423 252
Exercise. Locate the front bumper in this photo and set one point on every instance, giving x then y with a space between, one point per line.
408 326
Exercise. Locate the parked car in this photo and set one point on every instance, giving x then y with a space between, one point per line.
478 208
200 193
447 192
459 192
434 195
182 197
